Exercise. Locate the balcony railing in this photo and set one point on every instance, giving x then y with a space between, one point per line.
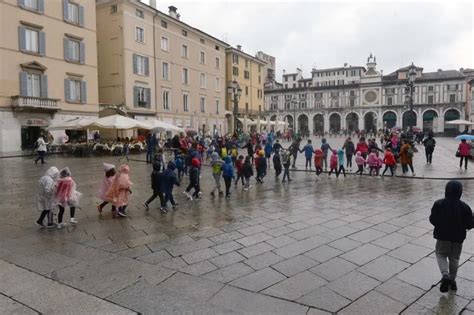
34 102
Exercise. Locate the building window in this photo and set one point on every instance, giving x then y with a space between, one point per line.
302 105
184 33
287 105
246 74
218 63
164 24
288 97
164 43
247 90
74 50
31 40
202 57
73 13
452 98
32 5
142 97
139 34
260 94
166 71
202 41
33 85
140 13
203 81
259 68
166 100
294 85
75 90
218 84
235 71
246 63
259 79
140 65
352 102
286 79
235 59
430 99
217 107
184 51
389 101
185 102
430 88
217 47
185 76
202 104
113 9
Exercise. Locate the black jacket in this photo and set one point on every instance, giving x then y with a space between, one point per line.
450 216
156 178
247 169
194 175
277 162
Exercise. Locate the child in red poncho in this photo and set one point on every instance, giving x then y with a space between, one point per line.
390 161
333 163
318 161
120 190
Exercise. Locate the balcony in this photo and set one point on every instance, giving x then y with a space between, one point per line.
30 102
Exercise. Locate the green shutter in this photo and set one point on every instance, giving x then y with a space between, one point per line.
82 53
65 12
41 6
44 86
66 49
67 92
42 43
148 97
83 92
22 38
135 96
135 62
81 15
23 83
147 71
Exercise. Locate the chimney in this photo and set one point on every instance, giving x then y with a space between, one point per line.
239 47
153 4
173 12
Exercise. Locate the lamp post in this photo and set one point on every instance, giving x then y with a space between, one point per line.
235 92
294 102
410 88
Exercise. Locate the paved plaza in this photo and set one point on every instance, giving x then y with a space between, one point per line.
355 245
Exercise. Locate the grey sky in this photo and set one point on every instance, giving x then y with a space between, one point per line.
328 34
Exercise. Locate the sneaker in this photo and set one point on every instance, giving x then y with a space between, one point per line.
221 193
444 287
145 205
163 210
213 194
413 174
227 196
121 214
200 193
73 221
289 179
40 224
175 206
60 225
99 208
50 226
246 189
250 186
453 285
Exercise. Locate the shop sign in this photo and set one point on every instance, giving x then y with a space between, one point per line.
36 122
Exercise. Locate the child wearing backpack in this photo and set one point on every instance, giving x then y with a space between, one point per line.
406 157
360 162
390 162
340 159
179 162
159 160
167 185
286 160
261 166
156 182
373 162
228 174
239 164
66 195
216 164
120 190
308 153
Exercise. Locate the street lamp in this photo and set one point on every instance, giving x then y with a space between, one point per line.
235 92
294 102
410 87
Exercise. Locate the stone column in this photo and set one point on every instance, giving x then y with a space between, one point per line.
361 121
441 123
419 119
310 124
326 122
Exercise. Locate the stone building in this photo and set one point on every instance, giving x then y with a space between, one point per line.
362 98
48 74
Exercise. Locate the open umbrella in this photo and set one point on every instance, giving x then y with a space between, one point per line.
72 124
118 122
465 137
460 122
191 132
156 125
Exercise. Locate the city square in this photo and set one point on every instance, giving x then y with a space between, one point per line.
354 245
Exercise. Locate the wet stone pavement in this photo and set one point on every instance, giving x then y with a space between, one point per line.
354 245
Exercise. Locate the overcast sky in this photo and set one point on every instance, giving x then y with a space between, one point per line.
327 34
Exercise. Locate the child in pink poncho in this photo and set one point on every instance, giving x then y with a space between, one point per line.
120 190
65 196
373 162
360 161
333 163
105 186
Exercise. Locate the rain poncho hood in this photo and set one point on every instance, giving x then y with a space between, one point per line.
66 194
453 190
119 189
46 187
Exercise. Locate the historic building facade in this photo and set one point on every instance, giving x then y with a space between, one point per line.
362 98
48 74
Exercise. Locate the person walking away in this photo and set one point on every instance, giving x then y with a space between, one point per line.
44 199
308 153
349 148
228 175
239 165
450 217
390 161
277 164
65 196
125 150
464 151
216 164
150 147
41 148
277 146
286 160
362 147
373 162
340 159
429 144
120 190
249 147
360 162
325 147
179 162
194 180
318 161
268 149
406 157
294 149
333 164
261 166
156 182
109 170
167 185
233 153
247 172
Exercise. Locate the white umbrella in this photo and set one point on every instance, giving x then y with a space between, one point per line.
118 122
460 122
72 124
156 125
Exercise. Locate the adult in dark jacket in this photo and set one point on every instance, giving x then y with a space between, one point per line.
156 182
167 184
451 218
429 144
294 149
249 147
349 149
176 145
277 164
247 171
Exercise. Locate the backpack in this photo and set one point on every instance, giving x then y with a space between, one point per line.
158 160
284 157
36 145
410 152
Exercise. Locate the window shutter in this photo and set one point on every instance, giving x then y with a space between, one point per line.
44 86
42 43
23 83
21 3
81 15
147 71
22 37
66 49
135 67
67 92
41 6
82 53
65 12
135 96
148 98
83 92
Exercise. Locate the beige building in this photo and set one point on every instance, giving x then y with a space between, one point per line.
48 67
248 72
155 65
